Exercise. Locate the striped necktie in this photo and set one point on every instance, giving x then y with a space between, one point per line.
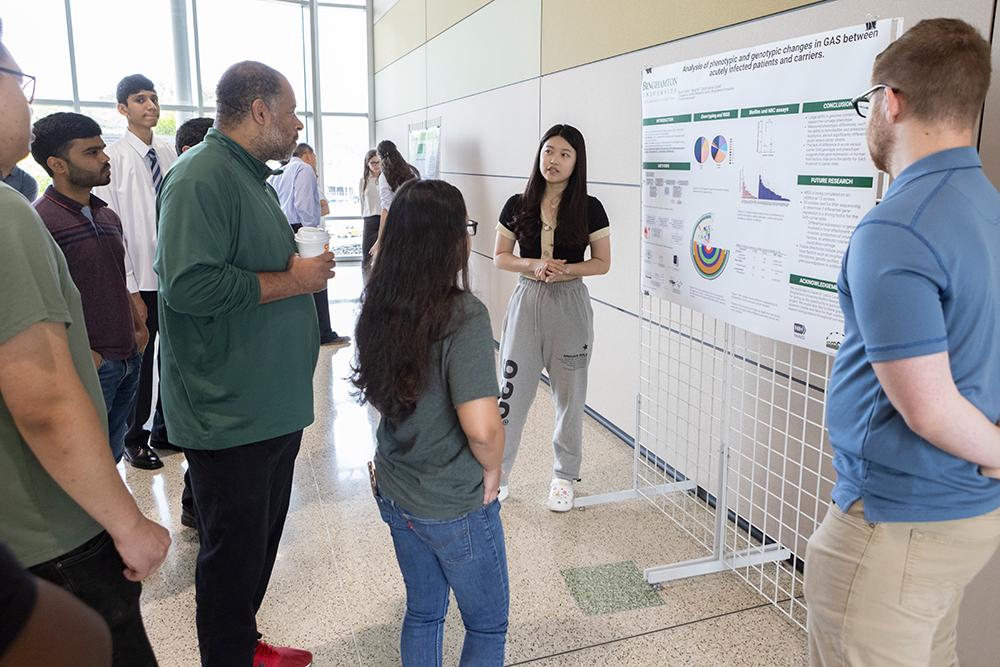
155 169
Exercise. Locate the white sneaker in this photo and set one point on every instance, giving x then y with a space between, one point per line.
504 492
560 496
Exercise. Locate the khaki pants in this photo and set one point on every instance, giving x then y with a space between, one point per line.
888 593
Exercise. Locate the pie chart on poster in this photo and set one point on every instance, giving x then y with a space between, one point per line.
720 148
701 150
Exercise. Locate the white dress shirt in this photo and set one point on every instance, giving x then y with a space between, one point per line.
131 195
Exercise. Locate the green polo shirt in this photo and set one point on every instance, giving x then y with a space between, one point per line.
38 520
233 371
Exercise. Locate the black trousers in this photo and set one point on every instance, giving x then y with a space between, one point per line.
369 235
322 299
93 573
241 500
137 435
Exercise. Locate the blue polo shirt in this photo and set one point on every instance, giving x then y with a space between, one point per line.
921 275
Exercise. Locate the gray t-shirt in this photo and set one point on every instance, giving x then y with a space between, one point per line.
424 462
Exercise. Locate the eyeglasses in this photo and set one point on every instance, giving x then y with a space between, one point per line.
27 82
472 227
863 102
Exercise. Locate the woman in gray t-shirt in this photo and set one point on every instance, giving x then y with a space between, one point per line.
426 362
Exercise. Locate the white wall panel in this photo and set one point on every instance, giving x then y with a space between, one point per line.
620 286
402 86
496 46
484 197
397 129
614 367
491 133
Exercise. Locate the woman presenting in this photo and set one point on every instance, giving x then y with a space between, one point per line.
549 322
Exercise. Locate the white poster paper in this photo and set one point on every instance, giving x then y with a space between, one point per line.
755 172
425 151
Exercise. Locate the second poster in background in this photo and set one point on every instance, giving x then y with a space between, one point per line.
755 173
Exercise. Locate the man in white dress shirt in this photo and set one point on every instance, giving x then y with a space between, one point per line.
139 161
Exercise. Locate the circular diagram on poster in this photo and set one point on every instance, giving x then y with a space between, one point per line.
702 150
709 260
720 149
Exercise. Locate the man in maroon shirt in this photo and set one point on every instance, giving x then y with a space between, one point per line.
69 147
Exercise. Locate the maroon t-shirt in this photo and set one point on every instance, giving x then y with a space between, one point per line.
95 254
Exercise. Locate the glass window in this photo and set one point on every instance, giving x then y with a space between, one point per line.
103 30
345 142
274 33
22 22
343 51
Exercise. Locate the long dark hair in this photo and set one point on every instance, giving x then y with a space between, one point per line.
571 221
396 169
409 302
368 172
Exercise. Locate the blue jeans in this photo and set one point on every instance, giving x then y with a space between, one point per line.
466 555
120 384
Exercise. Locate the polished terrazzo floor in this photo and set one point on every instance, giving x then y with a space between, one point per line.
577 597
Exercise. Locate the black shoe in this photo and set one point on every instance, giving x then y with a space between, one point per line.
188 519
156 443
141 456
336 341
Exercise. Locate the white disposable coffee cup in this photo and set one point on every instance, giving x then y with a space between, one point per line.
312 241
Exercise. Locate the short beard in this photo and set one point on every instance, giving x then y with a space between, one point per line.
273 146
85 179
881 142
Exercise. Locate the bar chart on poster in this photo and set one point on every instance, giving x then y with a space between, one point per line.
755 171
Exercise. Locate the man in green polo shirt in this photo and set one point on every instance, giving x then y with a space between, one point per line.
64 510
240 341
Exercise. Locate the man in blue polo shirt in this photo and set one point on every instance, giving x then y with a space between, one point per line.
915 392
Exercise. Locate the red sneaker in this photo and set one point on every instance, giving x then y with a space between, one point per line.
266 655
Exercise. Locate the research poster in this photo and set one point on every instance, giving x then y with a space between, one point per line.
755 171
425 150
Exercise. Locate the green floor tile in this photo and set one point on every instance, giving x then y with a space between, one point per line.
604 589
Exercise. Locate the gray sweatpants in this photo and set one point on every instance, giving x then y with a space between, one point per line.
551 326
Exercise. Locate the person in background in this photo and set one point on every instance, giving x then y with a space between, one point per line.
139 161
191 133
395 171
67 515
549 322
299 196
914 395
240 349
23 182
426 362
69 148
370 207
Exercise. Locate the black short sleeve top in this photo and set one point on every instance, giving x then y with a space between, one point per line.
598 227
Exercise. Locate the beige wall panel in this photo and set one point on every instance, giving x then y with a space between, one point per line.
496 46
582 31
400 30
492 133
620 286
442 14
402 86
380 7
484 197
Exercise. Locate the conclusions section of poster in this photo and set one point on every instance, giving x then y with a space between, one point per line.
755 172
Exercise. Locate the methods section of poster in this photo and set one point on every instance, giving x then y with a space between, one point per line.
755 171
